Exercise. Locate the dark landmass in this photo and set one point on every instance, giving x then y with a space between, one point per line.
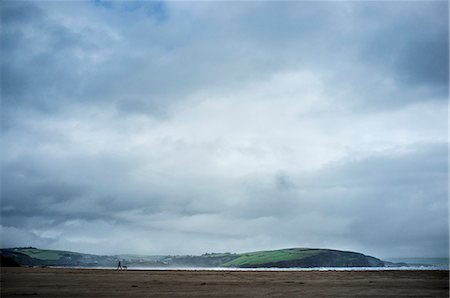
8 262
430 261
30 256
282 258
59 282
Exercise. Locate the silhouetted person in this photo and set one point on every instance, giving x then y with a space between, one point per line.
119 266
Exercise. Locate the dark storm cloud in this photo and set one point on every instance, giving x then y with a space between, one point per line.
19 13
147 69
225 126
42 71
413 46
51 65
153 9
60 67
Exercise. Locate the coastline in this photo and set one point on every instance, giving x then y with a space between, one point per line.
266 269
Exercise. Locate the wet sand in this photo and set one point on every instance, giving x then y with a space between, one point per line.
49 282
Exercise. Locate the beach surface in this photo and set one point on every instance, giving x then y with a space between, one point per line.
55 282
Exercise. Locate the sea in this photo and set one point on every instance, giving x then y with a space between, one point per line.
390 268
411 264
295 268
440 262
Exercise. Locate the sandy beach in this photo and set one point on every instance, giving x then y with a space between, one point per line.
49 282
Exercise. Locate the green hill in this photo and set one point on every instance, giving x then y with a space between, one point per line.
304 257
282 258
30 256
268 257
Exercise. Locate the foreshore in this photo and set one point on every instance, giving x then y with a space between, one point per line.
58 282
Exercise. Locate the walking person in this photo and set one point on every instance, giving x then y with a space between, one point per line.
119 266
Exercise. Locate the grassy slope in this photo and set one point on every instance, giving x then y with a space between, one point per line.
28 256
264 257
43 254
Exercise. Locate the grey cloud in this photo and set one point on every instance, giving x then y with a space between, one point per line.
424 62
414 46
149 69
153 9
41 65
19 13
382 204
385 201
112 118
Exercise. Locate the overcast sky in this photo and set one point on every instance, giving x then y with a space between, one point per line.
185 128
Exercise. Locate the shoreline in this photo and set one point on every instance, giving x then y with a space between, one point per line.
262 269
